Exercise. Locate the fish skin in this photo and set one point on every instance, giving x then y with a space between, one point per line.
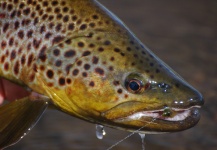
80 56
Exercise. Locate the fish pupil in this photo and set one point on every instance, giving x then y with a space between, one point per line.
133 85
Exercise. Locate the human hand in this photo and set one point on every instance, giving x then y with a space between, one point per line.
11 91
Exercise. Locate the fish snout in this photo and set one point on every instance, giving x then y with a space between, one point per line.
197 100
194 99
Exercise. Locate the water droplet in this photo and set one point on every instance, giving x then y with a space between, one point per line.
143 140
24 134
100 132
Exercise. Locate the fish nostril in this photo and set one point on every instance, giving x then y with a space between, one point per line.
164 87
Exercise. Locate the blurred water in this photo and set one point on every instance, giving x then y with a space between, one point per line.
184 35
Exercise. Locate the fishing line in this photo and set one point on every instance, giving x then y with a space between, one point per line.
152 121
124 139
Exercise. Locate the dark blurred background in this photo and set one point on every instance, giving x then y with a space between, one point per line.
184 35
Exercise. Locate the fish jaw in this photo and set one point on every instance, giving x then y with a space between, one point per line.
154 122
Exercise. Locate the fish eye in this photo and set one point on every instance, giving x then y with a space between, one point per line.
134 85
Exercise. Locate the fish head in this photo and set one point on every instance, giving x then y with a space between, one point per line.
114 80
150 95
123 85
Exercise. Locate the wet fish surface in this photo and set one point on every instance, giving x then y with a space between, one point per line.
80 58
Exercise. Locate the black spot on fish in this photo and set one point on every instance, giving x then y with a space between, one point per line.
119 91
50 74
62 81
99 71
80 44
57 39
92 84
70 53
56 52
83 27
95 60
75 72
5 27
58 63
86 53
86 66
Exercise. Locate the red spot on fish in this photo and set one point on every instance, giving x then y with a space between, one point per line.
2 16
32 77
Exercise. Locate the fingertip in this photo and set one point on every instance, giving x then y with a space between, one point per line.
1 99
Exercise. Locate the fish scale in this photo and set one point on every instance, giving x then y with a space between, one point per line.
79 57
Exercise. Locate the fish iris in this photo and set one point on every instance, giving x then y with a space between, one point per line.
134 85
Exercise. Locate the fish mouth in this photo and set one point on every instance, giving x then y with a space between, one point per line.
160 121
177 114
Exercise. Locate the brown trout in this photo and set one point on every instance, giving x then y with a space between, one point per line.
81 59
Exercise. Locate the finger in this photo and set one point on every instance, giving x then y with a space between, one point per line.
2 95
11 91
